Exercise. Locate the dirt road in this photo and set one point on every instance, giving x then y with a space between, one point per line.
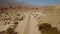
33 26
28 25
22 25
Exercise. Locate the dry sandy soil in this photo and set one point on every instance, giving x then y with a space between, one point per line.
28 21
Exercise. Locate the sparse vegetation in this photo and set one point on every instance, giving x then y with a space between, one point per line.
46 28
9 31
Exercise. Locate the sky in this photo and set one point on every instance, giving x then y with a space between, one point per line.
41 2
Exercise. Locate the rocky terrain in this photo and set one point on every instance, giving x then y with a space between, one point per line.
19 19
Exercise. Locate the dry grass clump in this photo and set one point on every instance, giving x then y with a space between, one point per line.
46 28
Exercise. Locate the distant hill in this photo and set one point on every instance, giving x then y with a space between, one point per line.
8 2
14 3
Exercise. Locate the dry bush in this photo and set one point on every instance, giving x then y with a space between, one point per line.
46 28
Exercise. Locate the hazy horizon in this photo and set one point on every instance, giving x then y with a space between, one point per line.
30 2
41 2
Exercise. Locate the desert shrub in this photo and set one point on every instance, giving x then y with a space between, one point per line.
46 28
11 31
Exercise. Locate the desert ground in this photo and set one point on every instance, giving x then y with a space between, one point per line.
28 19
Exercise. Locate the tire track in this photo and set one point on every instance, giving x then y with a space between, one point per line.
26 31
